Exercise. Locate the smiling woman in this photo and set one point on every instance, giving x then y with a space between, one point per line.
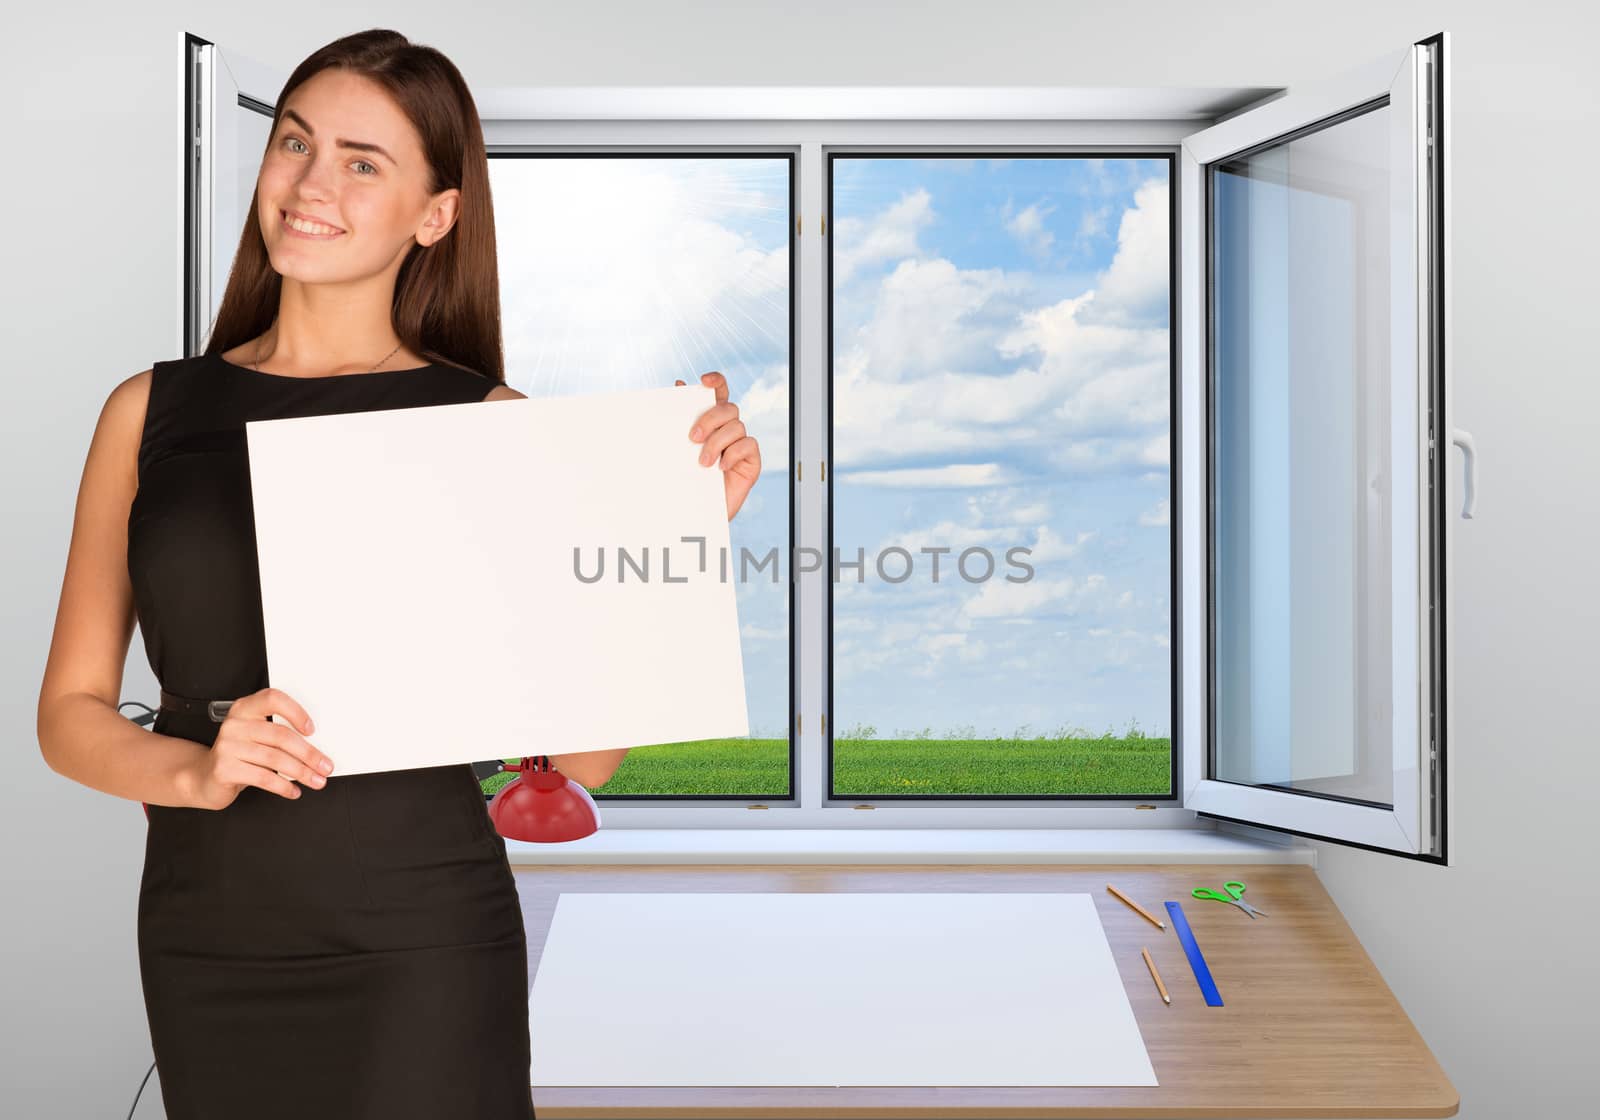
353 181
309 944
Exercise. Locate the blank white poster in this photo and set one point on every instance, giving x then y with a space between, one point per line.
831 989
420 578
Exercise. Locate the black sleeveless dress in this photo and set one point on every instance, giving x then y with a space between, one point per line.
357 952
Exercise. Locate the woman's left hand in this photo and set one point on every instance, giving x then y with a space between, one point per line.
722 432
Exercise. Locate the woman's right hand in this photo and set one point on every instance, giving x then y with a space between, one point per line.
251 750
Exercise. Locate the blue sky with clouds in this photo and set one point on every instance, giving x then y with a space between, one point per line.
1000 378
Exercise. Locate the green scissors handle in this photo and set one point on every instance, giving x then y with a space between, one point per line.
1234 896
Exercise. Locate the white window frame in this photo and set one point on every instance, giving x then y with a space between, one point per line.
221 89
809 141
808 123
1415 824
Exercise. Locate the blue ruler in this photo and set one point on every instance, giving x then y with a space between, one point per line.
1202 974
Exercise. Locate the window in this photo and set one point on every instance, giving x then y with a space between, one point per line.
1001 384
632 272
1302 568
1291 544
1320 343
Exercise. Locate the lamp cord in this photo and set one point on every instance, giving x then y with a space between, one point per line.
140 1093
148 718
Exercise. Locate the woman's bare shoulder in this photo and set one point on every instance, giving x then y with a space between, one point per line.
122 419
131 392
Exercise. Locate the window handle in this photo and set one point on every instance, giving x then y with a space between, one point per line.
1469 469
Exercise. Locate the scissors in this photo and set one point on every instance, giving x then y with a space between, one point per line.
1235 889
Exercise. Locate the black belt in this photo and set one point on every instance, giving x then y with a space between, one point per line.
216 709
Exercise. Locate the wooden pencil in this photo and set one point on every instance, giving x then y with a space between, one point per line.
1156 976
1140 909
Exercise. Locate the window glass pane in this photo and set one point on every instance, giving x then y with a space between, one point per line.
634 272
1001 380
255 129
236 186
1301 521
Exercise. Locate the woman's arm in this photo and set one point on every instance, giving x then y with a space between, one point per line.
589 769
81 733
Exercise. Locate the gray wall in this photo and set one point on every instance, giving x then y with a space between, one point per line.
1484 955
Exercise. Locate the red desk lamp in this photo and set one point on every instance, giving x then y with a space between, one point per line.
543 805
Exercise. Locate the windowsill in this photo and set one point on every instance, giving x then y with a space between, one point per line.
909 845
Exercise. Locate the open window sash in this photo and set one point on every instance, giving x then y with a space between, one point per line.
1287 744
228 116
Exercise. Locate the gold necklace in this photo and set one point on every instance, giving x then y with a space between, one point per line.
255 364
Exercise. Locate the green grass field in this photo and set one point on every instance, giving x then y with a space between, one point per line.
1068 762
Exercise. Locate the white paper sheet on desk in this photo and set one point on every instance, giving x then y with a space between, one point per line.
831 988
419 592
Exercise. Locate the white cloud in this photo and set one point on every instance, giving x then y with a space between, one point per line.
852 623
934 647
904 639
1087 384
938 547
1127 398
1135 288
1094 456
852 658
953 475
1048 546
1085 380
1073 348
764 411
947 534
1020 505
1092 222
997 598
1105 178
889 235
1039 511
1028 227
928 317
1159 516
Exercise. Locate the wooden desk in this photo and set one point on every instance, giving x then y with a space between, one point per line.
1308 1027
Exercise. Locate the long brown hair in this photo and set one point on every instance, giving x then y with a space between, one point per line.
446 295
